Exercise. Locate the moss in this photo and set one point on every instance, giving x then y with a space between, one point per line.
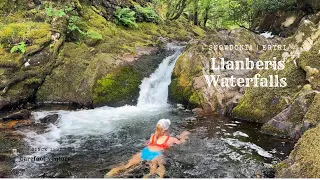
304 160
116 86
7 7
280 166
69 76
9 60
182 92
34 32
313 114
19 91
309 61
269 129
252 106
195 99
33 80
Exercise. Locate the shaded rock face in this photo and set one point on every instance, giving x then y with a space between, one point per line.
282 23
23 114
285 22
189 86
301 70
304 160
292 111
290 121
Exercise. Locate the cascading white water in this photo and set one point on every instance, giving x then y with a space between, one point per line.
96 122
154 89
104 136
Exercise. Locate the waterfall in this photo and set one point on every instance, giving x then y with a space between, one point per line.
103 120
154 89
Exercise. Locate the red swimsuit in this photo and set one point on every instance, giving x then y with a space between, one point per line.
164 145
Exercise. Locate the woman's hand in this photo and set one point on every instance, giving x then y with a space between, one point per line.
184 135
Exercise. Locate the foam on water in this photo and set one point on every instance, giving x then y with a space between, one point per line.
267 35
74 128
239 133
154 89
154 92
247 145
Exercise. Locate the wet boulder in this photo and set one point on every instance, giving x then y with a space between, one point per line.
301 72
303 161
23 114
290 121
53 119
189 86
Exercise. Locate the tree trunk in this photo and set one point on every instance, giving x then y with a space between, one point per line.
205 18
195 12
181 5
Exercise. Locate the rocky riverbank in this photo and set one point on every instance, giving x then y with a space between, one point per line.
73 53
288 112
68 67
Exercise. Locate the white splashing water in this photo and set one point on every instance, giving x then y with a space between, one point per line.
154 89
267 35
247 145
100 121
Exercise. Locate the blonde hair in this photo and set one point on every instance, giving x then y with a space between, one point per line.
158 133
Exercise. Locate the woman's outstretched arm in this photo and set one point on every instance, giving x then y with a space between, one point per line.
182 137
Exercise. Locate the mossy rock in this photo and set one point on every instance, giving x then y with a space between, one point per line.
254 107
309 61
8 6
304 160
261 104
35 35
181 88
271 129
121 84
33 32
313 114
290 122
71 81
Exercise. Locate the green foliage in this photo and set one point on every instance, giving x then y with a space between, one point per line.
53 12
147 14
72 17
272 5
223 13
94 35
20 47
72 25
125 17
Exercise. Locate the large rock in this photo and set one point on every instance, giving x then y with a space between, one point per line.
23 114
189 86
291 122
315 5
304 160
284 21
53 119
301 70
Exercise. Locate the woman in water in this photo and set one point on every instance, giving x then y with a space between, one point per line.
158 142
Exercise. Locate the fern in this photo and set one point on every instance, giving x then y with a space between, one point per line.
125 17
147 14
20 47
53 12
94 35
72 25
